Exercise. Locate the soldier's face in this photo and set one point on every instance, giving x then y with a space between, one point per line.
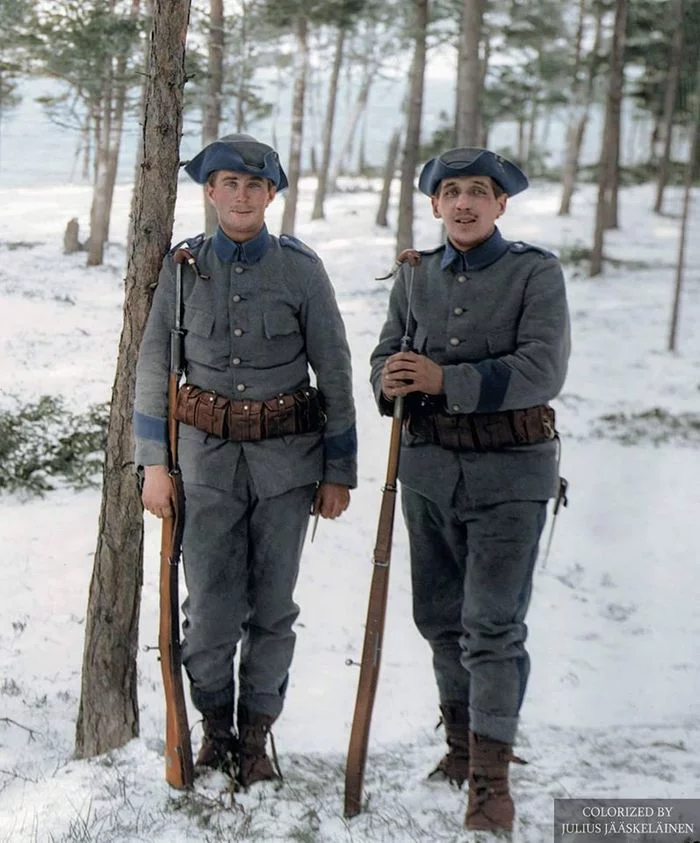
469 209
240 200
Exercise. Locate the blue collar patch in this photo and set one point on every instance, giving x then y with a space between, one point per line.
479 257
228 251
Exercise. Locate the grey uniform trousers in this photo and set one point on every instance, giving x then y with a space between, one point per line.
241 559
472 578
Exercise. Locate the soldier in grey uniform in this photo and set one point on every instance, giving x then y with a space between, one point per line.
490 343
259 312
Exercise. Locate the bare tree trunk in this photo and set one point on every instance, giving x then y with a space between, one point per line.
357 110
392 159
689 176
468 123
611 135
404 237
301 61
522 152
319 198
117 125
87 147
98 209
211 116
107 153
674 74
531 133
617 80
578 120
142 107
108 713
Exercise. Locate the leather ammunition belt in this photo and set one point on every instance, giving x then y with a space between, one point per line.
485 431
245 420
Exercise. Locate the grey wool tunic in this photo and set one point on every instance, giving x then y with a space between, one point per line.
258 318
496 320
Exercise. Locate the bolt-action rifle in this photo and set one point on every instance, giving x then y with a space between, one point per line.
179 769
376 610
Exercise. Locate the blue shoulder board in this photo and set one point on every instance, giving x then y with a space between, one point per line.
298 246
520 247
194 244
432 251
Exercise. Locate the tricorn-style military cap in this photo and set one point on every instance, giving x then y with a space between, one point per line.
472 161
241 154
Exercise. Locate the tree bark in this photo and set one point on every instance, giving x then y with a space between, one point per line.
468 123
404 238
301 61
617 79
108 713
688 186
392 158
322 185
115 95
358 108
103 137
674 75
611 139
578 120
211 116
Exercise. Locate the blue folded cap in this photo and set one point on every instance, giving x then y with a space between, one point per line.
472 161
240 154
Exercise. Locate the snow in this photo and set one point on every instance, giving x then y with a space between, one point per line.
613 707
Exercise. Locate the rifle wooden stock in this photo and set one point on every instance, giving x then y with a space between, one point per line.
374 629
179 769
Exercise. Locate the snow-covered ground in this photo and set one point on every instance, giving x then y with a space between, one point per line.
613 706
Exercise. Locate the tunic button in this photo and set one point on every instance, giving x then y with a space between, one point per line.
238 270
236 297
458 311
237 332
236 361
455 408
454 340
461 278
240 387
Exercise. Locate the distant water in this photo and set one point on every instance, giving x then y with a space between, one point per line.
34 151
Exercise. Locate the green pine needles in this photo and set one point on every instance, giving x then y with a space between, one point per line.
45 446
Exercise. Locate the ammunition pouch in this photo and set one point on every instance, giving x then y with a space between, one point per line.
482 431
245 420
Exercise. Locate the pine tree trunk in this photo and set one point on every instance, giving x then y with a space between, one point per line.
211 116
108 714
321 187
674 74
617 79
578 120
468 124
392 158
358 109
531 133
116 132
301 60
404 238
611 136
100 189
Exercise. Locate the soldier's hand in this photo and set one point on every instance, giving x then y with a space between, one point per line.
413 257
157 494
332 499
408 372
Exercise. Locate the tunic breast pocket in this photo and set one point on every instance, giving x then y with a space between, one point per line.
202 344
502 340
